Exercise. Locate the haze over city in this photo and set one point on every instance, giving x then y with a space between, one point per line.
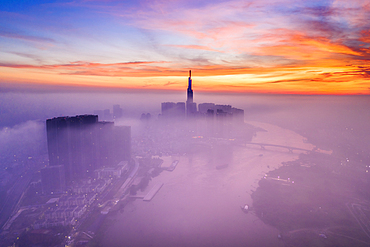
184 123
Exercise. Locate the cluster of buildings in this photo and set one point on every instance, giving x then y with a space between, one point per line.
218 119
107 115
84 156
80 146
65 210
63 216
189 109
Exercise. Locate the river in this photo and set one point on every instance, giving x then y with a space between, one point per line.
199 205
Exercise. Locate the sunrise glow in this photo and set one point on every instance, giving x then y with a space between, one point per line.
303 47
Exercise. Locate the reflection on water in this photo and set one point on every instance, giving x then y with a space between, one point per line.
199 205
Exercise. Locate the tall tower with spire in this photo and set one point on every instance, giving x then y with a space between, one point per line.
191 107
190 90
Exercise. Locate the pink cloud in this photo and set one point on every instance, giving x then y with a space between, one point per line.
14 35
195 47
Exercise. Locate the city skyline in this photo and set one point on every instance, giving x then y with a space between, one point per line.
276 47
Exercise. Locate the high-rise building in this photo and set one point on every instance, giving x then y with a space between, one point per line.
171 109
191 107
72 144
81 144
235 114
117 112
190 90
114 144
104 115
204 107
107 116
210 122
167 108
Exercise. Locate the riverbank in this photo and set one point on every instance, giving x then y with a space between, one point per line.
315 201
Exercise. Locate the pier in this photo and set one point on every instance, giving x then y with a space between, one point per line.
152 192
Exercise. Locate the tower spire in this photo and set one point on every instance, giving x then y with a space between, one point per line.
190 90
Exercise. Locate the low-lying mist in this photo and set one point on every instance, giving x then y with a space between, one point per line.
305 176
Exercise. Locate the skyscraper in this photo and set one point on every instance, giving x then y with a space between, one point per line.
113 144
173 110
72 144
81 144
117 112
190 90
191 107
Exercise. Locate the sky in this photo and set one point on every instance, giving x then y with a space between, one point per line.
264 46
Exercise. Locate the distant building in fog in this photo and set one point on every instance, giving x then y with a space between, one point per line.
171 109
82 144
106 114
114 144
117 112
146 117
232 113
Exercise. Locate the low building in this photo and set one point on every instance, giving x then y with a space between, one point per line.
113 172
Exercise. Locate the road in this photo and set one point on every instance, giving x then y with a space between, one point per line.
357 212
13 196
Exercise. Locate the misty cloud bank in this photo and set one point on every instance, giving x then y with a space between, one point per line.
22 142
209 169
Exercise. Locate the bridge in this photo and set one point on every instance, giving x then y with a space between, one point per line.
264 145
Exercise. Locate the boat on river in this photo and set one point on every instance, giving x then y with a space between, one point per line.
173 166
245 208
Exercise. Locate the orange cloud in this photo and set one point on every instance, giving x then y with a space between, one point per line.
299 46
324 44
365 36
318 79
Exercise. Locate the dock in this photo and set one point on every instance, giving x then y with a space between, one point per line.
152 192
